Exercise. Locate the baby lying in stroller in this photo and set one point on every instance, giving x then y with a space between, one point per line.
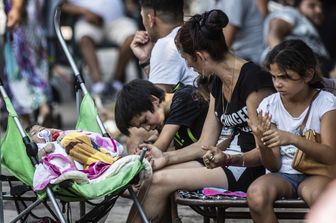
81 146
77 155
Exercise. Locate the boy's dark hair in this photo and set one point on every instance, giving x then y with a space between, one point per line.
204 32
132 100
297 56
170 11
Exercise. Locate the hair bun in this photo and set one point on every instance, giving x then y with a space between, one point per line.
212 23
216 19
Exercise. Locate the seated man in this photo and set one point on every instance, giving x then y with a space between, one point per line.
102 20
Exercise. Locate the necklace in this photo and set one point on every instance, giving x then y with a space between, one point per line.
226 105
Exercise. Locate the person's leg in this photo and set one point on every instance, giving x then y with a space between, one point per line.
125 55
166 181
123 37
87 35
88 50
263 192
311 188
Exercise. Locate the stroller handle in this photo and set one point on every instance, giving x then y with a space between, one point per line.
61 40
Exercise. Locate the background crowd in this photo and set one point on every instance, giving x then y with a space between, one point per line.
205 71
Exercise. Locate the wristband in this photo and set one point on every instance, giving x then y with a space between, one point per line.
228 159
144 64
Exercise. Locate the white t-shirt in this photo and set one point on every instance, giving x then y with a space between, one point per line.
109 10
323 103
166 64
302 29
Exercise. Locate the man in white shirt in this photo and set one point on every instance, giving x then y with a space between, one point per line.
155 47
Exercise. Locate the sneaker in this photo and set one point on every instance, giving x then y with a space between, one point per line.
97 88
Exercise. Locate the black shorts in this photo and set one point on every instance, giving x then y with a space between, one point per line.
248 176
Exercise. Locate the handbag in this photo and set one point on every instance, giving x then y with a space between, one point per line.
305 164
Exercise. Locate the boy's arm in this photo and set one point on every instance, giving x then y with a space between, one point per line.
166 137
209 137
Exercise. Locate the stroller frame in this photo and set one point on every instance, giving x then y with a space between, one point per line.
31 150
80 85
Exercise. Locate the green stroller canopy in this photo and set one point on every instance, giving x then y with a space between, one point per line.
16 160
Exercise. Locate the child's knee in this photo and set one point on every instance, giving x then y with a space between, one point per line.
160 178
258 197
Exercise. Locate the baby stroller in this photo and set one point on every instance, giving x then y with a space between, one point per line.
18 155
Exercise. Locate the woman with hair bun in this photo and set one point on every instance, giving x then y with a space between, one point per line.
238 86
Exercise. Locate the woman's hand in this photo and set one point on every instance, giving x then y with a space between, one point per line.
155 156
214 157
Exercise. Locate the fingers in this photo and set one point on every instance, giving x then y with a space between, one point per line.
209 159
141 37
146 146
271 139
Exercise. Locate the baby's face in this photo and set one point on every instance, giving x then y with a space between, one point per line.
40 134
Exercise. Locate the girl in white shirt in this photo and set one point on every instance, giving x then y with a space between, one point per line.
295 77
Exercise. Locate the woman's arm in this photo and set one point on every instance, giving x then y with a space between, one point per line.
209 137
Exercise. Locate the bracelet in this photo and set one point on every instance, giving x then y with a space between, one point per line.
243 161
144 64
229 159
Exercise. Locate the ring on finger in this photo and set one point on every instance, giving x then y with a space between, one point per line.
212 157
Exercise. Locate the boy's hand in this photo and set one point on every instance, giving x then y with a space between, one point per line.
155 156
